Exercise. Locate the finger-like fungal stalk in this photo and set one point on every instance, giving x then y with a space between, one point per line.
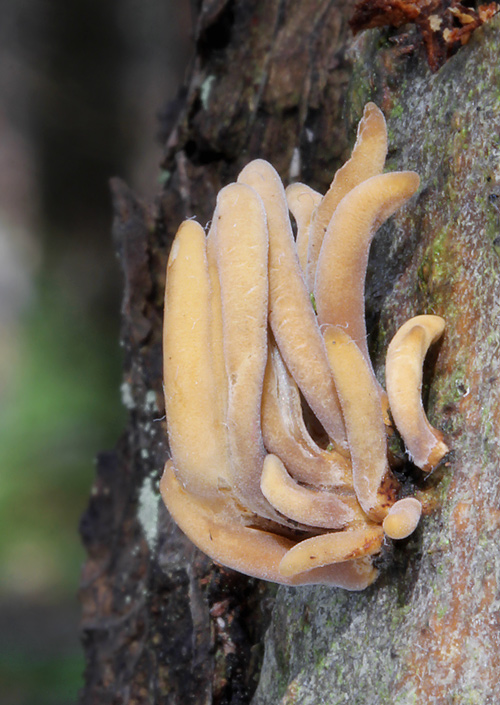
402 518
195 431
291 314
331 548
216 531
340 277
404 362
367 159
302 200
359 397
285 433
242 247
307 506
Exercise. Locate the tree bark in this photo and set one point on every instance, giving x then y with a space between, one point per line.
284 80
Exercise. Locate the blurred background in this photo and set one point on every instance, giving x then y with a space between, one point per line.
81 87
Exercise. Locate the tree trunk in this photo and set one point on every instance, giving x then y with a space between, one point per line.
284 80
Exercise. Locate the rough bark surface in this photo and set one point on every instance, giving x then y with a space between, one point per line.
162 624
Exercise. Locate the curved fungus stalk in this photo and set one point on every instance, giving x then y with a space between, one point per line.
404 362
313 507
339 288
217 532
254 480
332 548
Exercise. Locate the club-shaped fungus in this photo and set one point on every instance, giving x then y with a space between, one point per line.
277 425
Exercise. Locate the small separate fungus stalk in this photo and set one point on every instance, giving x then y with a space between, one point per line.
402 518
405 358
277 425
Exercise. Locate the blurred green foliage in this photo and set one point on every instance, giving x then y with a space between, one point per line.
47 680
60 406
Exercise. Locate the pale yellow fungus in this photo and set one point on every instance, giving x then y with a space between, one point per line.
405 358
285 433
242 250
403 518
291 314
216 531
196 435
302 201
276 422
332 548
367 159
312 507
340 277
360 402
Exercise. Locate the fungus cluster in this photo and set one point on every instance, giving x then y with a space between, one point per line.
277 425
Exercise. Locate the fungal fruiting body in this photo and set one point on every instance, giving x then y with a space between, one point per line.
277 425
